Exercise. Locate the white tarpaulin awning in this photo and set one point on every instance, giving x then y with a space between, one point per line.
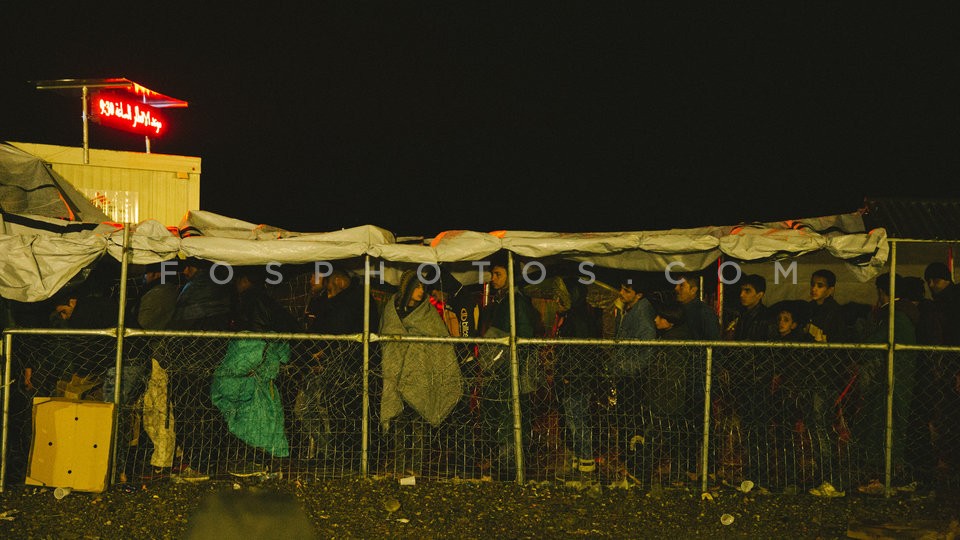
36 266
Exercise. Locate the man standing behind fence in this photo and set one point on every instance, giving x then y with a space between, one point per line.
751 370
873 384
83 310
672 438
202 304
629 363
330 398
634 321
946 298
946 311
702 321
578 374
497 397
154 310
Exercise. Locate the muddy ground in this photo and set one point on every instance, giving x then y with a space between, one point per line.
375 507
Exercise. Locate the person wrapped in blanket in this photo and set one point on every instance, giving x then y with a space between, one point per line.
422 381
243 384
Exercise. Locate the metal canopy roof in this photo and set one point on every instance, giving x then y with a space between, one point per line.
914 218
150 97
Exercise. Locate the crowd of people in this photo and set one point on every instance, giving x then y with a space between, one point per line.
834 401
262 391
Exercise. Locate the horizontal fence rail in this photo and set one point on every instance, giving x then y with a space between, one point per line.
782 415
786 416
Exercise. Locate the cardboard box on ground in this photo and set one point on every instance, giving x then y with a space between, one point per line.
71 444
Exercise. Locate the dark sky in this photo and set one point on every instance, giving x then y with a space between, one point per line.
566 117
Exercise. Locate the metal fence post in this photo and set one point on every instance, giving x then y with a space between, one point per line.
705 457
891 337
121 325
7 353
365 420
515 373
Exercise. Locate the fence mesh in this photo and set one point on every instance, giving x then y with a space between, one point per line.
779 416
935 417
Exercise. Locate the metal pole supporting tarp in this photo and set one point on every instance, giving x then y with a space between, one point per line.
86 129
888 432
515 373
365 419
121 323
705 455
7 354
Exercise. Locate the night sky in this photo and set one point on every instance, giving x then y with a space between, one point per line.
460 115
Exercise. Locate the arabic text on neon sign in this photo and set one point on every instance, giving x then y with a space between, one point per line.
115 111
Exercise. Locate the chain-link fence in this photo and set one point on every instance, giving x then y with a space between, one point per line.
933 424
636 413
779 416
66 364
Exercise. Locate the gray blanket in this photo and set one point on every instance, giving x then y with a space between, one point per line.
425 376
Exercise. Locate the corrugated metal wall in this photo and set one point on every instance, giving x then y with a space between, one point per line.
163 186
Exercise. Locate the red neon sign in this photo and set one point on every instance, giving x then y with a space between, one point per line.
121 112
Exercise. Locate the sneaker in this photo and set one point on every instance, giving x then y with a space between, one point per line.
826 489
189 475
157 473
586 465
874 487
249 469
909 488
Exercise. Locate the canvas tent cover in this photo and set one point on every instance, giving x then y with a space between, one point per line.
34 196
37 265
38 260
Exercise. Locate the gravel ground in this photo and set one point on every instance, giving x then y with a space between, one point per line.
368 508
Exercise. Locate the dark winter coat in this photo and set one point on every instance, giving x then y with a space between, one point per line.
667 379
202 305
257 311
828 317
701 321
755 325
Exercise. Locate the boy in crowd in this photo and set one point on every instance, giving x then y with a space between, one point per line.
788 324
826 319
755 322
